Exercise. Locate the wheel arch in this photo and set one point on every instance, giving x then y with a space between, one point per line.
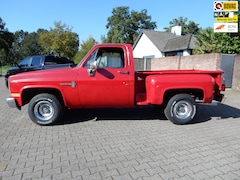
194 92
28 94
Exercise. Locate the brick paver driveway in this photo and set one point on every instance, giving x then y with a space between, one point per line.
121 144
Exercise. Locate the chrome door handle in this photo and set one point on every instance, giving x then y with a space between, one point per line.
123 72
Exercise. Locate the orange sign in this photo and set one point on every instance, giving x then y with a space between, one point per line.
226 27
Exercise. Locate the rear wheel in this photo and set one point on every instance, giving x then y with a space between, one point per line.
44 109
181 109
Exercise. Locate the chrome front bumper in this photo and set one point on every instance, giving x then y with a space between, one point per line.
11 102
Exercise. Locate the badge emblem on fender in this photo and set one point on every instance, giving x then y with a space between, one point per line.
73 84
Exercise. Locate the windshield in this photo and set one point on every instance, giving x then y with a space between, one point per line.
25 62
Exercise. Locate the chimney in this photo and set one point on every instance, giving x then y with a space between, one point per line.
177 30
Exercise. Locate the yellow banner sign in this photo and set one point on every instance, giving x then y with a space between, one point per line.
227 19
230 6
225 5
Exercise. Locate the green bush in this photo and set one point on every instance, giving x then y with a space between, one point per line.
3 69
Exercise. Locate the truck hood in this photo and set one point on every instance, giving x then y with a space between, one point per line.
44 75
12 70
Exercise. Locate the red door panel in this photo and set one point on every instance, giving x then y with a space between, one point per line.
110 85
108 88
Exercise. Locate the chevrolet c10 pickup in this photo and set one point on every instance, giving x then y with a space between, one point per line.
105 78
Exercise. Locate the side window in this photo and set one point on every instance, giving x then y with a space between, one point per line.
25 62
107 58
111 60
59 60
36 61
91 59
53 60
49 60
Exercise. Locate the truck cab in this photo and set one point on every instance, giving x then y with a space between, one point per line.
106 77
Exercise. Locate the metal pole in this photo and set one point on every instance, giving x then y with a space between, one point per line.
145 64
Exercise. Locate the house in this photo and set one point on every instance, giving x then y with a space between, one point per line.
155 44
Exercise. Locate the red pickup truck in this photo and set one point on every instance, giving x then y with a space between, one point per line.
106 78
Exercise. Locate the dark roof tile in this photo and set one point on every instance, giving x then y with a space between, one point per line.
166 41
158 38
180 43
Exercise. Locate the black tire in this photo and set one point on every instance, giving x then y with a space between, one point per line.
181 109
45 109
6 82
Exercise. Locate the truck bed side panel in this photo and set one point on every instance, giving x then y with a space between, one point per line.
151 85
158 85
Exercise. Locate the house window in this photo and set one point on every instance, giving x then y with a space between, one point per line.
149 57
174 53
180 53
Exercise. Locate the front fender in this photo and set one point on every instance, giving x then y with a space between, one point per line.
29 91
68 95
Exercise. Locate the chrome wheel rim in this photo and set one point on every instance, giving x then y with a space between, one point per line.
44 110
182 110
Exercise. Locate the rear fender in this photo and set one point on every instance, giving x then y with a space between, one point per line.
159 86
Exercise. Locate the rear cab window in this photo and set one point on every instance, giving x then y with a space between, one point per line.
53 60
36 60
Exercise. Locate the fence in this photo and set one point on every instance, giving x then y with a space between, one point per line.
236 73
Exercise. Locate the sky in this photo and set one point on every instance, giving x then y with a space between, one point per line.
89 17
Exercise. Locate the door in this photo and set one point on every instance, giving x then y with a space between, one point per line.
227 64
109 86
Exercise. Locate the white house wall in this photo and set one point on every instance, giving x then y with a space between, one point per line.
186 53
145 47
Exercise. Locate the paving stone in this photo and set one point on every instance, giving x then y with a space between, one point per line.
32 175
153 171
14 177
125 170
199 175
213 172
61 176
96 176
139 174
141 167
229 175
109 173
169 175
154 177
122 177
79 173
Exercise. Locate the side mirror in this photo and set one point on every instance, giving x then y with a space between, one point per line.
17 65
91 72
94 65
93 68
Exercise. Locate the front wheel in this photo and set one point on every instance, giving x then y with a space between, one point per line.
181 109
44 109
6 82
